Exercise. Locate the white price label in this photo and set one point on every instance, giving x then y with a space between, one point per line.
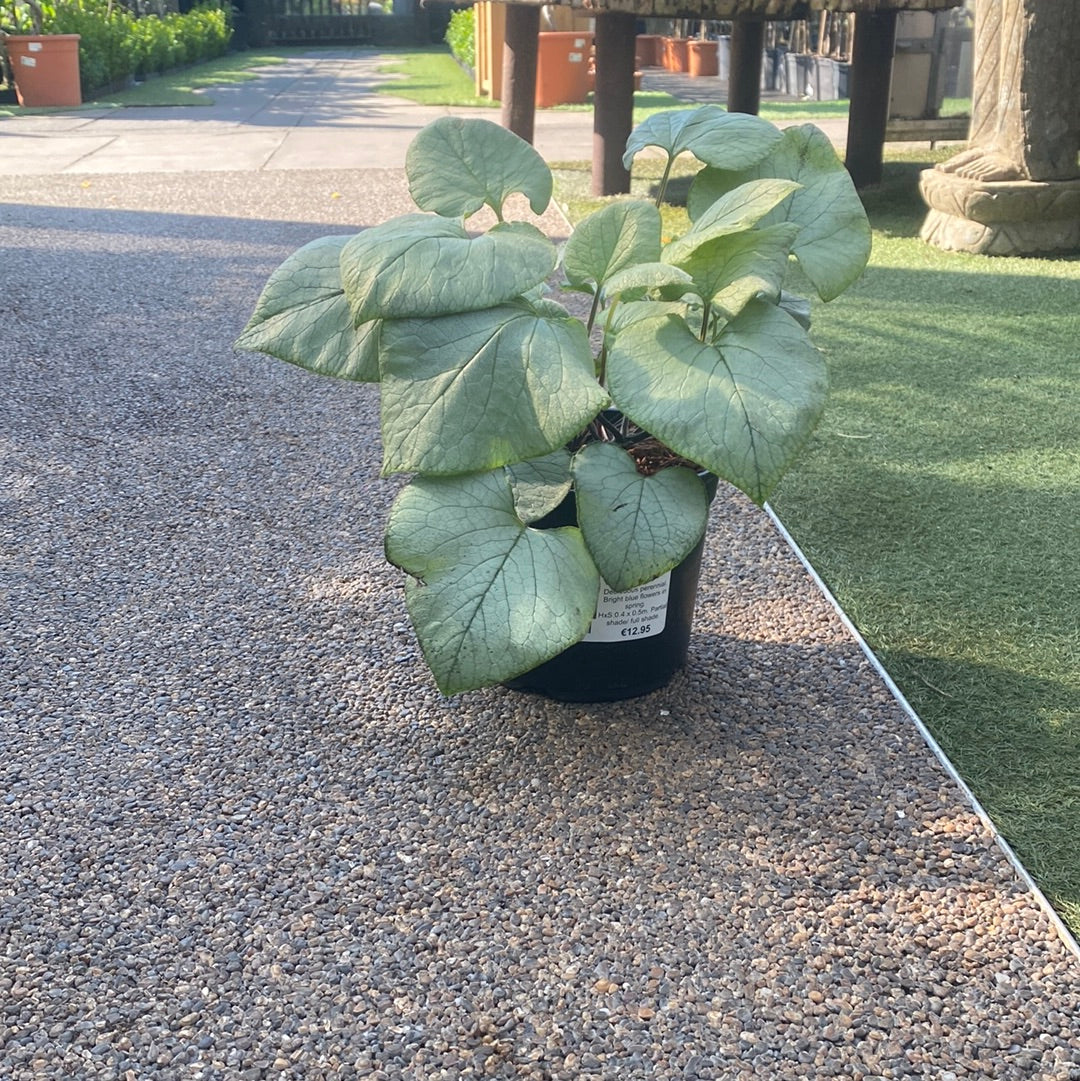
637 613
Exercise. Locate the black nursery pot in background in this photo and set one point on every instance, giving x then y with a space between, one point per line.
638 640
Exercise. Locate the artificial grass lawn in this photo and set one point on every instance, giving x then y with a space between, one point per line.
940 501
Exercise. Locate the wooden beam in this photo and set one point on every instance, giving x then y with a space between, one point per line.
870 81
520 47
744 75
613 110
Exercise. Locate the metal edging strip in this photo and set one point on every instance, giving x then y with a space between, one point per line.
1066 936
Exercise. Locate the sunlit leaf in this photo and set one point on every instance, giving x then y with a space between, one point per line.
746 404
424 265
509 383
636 527
833 244
456 166
490 598
302 317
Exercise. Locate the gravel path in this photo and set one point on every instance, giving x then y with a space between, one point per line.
242 836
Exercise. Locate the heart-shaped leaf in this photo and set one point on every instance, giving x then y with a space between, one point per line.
833 244
509 383
636 527
423 265
734 212
712 134
490 598
730 271
302 317
457 166
746 403
609 240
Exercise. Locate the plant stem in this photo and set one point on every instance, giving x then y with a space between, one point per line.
706 315
664 181
593 309
601 372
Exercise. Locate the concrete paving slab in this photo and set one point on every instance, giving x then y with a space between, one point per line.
34 155
155 152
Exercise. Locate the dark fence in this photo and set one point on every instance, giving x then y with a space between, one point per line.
334 22
348 29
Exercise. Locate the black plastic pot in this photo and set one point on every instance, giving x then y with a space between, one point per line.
638 658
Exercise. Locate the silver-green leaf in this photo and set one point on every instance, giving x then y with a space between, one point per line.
833 245
489 597
539 485
734 212
509 383
636 281
747 402
636 527
302 317
609 240
421 265
712 134
730 271
456 166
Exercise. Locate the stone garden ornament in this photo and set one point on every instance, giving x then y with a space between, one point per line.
1016 189
549 454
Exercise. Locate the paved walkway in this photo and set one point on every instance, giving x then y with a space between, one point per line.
311 112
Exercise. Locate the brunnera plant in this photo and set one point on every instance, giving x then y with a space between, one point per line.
499 404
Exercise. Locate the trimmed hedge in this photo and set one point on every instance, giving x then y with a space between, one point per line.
461 37
116 45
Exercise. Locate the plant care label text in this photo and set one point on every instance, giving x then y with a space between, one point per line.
637 613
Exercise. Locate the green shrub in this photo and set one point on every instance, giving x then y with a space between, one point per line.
116 45
461 37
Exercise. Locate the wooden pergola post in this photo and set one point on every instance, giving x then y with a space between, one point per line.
613 110
871 79
520 48
744 75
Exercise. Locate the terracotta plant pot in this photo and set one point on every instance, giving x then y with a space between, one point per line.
676 54
703 58
562 68
46 68
649 51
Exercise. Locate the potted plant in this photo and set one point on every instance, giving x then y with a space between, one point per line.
544 465
44 67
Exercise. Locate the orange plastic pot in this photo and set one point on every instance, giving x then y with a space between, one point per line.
703 58
562 68
46 68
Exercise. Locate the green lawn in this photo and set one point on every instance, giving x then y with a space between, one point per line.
431 77
940 501
434 77
185 87
188 87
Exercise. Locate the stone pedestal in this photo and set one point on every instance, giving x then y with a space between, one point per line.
1015 217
